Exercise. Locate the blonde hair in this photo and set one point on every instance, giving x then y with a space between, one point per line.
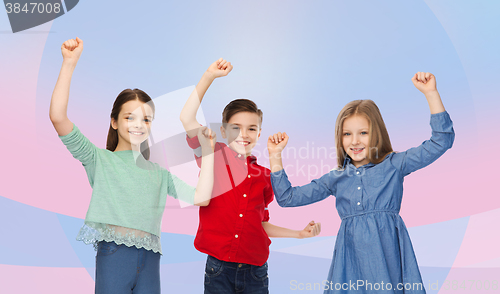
380 144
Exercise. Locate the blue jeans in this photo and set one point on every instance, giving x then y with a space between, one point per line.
223 277
122 269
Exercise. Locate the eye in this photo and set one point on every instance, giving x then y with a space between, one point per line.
235 128
147 120
346 134
364 133
253 129
129 118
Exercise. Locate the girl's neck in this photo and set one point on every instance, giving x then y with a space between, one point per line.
123 147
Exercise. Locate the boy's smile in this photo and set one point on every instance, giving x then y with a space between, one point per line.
242 132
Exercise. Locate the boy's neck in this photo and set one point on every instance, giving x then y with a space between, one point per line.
246 155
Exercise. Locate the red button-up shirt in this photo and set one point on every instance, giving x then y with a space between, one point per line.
230 227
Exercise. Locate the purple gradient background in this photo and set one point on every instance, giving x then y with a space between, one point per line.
301 62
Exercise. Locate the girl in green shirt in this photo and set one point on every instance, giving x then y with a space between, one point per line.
128 191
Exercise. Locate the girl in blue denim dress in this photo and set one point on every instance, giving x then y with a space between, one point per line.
373 252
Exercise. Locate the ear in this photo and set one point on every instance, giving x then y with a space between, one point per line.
223 132
114 124
258 136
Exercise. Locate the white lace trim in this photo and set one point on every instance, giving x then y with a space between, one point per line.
93 233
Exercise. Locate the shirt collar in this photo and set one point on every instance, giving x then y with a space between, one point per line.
234 154
348 160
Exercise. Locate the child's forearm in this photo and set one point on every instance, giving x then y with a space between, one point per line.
435 103
275 162
59 101
279 232
188 113
205 184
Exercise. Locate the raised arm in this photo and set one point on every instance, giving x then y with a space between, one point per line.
443 134
285 194
217 69
425 82
205 184
71 51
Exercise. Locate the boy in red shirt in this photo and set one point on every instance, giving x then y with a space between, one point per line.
234 230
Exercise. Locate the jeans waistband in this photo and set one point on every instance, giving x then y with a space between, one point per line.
235 265
370 211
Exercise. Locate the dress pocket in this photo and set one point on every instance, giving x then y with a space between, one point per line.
376 181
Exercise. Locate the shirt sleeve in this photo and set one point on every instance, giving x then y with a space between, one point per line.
268 198
317 190
195 145
82 149
419 157
178 189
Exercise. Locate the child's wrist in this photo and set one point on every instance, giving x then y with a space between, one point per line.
69 63
208 75
432 94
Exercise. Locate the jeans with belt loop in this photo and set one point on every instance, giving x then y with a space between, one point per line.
222 277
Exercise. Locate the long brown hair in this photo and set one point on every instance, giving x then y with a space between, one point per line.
380 144
124 97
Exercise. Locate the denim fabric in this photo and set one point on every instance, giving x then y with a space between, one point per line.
373 250
223 277
121 269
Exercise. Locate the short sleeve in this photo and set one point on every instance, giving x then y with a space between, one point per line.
317 190
430 150
82 149
194 144
178 189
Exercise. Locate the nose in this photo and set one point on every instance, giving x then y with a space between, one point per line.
136 123
243 133
355 140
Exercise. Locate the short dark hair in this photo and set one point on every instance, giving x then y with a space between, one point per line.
240 105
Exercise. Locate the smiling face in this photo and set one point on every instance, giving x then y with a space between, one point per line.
356 139
242 132
133 124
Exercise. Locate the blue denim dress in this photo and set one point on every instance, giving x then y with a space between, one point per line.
373 252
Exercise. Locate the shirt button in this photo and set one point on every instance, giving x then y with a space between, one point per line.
244 195
241 215
359 203
240 265
357 173
245 163
236 236
239 155
249 176
359 188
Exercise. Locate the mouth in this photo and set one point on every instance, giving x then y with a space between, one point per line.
357 150
243 143
136 133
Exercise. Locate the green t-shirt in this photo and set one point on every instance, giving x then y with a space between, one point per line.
128 191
